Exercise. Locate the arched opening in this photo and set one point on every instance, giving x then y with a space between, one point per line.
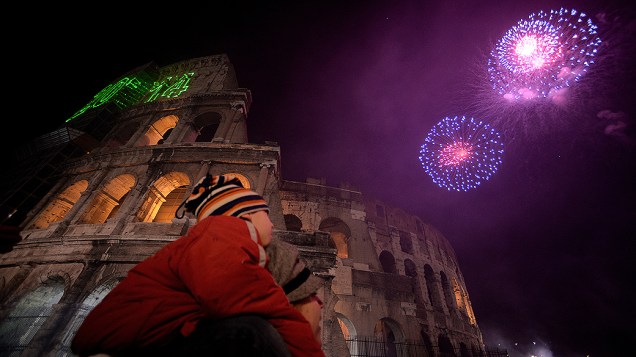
339 232
168 190
28 315
448 297
94 298
406 243
389 332
206 126
427 344
445 347
349 333
293 223
431 287
60 205
207 133
158 131
165 136
117 207
388 262
168 209
107 199
411 270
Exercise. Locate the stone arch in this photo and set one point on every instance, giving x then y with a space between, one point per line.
410 269
206 126
110 196
293 223
94 298
445 346
245 181
158 131
168 209
406 243
389 331
339 232
164 197
446 289
431 287
388 262
427 350
29 314
60 205
349 333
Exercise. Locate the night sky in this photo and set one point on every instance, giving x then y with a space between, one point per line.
350 89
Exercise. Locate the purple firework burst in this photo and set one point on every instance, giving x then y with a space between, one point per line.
460 153
544 54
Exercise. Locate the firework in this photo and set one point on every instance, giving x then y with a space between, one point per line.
460 153
542 56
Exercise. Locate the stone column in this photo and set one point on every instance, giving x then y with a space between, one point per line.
205 168
72 215
262 179
229 126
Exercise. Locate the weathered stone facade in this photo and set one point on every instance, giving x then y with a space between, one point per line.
391 280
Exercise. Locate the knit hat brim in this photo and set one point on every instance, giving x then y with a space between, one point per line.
310 287
290 271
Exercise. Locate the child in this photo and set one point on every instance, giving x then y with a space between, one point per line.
215 271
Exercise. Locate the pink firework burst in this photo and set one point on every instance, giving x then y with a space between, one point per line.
455 153
544 54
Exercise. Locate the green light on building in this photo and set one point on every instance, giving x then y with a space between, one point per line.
131 90
170 87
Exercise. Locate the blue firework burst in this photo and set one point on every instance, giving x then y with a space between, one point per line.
460 153
544 54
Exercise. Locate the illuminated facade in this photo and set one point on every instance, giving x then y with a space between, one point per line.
392 287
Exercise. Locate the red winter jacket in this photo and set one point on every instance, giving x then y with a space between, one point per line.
216 270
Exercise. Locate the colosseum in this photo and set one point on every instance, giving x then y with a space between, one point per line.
105 187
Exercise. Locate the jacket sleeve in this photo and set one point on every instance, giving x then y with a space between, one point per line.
224 275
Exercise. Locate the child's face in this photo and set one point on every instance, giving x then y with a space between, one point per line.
263 225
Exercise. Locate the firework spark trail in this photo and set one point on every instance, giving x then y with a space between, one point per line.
539 57
460 153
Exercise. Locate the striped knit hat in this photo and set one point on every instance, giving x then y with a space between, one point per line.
222 195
